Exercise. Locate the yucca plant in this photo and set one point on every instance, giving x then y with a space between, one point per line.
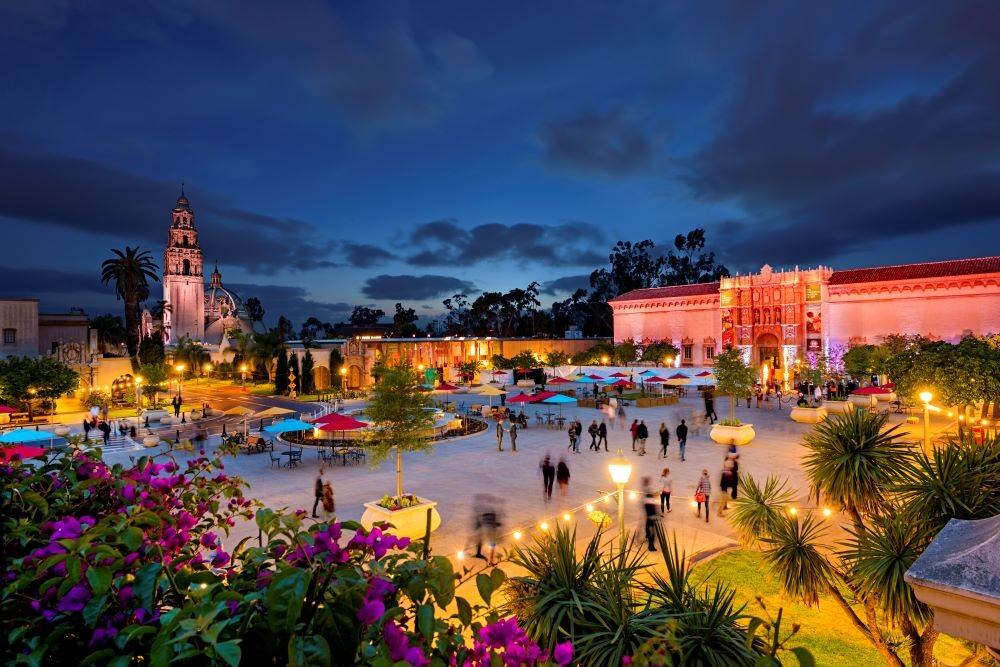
854 460
794 553
759 508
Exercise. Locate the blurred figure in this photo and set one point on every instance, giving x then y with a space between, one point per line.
562 476
487 523
652 515
548 475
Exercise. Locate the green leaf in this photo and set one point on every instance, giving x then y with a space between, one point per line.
36 501
464 611
100 579
121 661
229 651
285 596
425 621
485 585
132 538
92 610
308 651
497 576
804 656
97 657
146 580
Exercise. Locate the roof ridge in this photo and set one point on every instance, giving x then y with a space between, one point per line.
939 261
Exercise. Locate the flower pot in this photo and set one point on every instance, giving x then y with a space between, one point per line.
150 441
732 435
838 407
61 431
863 401
408 522
808 415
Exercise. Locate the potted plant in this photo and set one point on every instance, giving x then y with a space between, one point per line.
734 378
401 423
811 414
838 406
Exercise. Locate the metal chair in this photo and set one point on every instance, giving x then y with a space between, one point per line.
275 459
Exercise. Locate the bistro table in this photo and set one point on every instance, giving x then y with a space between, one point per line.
560 421
294 457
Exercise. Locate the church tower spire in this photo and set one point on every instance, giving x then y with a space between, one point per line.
183 280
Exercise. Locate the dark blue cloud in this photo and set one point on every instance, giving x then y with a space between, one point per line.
414 288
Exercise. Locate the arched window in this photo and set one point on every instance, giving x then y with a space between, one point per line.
187 267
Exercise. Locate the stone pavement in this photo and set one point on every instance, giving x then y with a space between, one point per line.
456 470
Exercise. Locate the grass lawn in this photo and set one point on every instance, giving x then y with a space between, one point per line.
825 630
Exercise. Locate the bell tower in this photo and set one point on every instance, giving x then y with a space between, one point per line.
183 281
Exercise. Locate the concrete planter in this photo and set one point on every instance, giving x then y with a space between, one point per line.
61 431
150 441
863 402
838 407
409 522
808 415
154 415
732 435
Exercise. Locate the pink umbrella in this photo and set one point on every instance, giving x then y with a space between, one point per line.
619 383
619 374
703 374
560 381
6 408
595 377
9 453
655 378
542 395
872 391
523 398
338 422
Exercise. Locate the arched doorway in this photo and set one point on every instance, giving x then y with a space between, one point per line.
321 377
768 355
354 377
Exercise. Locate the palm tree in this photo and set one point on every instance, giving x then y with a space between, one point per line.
110 331
266 347
130 271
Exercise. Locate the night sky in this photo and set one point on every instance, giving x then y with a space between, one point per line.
338 154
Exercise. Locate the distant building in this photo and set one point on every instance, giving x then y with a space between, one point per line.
777 316
190 310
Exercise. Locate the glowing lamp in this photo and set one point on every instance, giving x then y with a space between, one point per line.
566 516
517 534
620 469
926 396
460 555
543 525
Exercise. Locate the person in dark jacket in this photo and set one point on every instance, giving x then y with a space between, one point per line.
682 437
562 476
642 433
548 475
318 493
602 435
664 440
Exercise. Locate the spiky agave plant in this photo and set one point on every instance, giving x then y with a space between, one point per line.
760 507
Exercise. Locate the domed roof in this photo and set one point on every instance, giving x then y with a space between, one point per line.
182 201
216 331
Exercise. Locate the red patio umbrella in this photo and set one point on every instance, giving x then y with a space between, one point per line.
338 422
6 408
872 391
620 383
619 374
524 398
655 378
595 377
542 395
10 452
703 374
558 380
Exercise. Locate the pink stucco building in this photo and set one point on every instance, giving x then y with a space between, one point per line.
776 316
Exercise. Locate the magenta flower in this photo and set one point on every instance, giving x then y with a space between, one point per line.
562 654
416 657
371 611
75 599
220 558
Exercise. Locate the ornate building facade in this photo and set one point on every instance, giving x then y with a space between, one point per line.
777 316
190 310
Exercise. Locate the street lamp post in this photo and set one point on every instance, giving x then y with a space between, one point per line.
180 379
343 377
926 397
620 470
207 370
138 400
31 403
243 377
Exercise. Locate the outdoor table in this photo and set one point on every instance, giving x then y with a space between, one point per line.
560 421
293 458
342 452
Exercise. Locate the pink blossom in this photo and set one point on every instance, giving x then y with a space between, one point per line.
371 611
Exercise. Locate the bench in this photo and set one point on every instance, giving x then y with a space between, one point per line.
256 443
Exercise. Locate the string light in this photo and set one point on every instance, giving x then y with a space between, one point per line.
827 512
793 511
460 555
544 525
517 534
631 495
567 516
590 508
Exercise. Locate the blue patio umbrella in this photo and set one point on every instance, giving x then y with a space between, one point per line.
288 425
25 435
559 399
586 380
647 373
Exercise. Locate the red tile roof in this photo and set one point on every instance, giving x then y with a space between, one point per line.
957 267
668 292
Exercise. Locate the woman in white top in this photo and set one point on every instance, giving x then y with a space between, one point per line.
666 487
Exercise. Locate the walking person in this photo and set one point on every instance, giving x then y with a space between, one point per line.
500 435
682 437
86 428
602 435
329 506
318 492
105 432
621 415
634 429
710 407
664 440
642 432
592 432
513 436
725 480
548 475
666 488
571 431
652 516
702 492
734 480
562 476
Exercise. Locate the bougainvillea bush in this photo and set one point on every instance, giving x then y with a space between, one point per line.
123 565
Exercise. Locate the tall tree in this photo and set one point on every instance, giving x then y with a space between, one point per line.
306 381
110 331
284 328
688 263
131 272
266 347
363 315
400 411
457 320
254 311
151 349
281 373
24 379
404 322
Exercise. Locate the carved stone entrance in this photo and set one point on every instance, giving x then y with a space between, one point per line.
768 354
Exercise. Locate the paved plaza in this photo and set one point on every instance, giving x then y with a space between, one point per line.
457 469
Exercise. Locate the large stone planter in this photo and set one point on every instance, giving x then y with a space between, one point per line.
838 407
61 431
732 435
863 402
409 522
151 441
154 415
808 415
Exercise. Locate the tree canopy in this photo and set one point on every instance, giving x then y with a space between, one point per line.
48 378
